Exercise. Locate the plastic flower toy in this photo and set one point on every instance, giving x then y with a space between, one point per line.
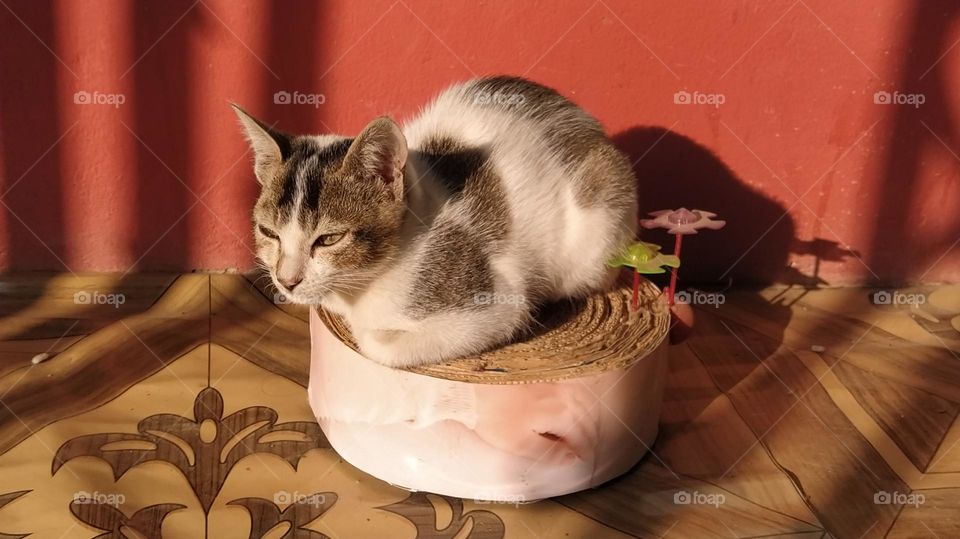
643 258
682 221
679 223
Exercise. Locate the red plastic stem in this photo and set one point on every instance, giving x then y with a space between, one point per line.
673 271
635 302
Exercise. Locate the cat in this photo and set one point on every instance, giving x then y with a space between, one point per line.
440 239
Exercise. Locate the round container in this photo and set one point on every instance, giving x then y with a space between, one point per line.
573 405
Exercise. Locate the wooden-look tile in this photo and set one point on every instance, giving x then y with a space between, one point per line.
947 457
795 326
734 459
929 369
924 374
55 493
696 416
687 380
18 354
244 321
52 295
50 306
795 442
904 322
293 473
915 419
939 315
929 513
801 426
123 352
651 501
925 364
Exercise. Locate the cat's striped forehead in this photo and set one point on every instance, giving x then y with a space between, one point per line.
295 191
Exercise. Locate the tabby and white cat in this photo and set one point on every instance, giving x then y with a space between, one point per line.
439 239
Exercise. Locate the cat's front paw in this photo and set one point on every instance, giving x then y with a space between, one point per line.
390 347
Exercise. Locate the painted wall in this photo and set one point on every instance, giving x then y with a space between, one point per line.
765 112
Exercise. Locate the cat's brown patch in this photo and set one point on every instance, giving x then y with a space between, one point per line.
469 176
453 270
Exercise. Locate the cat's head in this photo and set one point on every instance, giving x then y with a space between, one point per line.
330 208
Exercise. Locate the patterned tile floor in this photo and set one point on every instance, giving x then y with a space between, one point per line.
173 406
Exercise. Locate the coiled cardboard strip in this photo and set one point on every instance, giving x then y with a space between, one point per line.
572 339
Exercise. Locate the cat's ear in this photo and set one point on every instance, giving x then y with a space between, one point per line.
270 147
379 152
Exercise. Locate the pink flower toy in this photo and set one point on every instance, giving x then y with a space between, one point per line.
679 223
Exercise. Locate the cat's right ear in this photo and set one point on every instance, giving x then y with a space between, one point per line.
270 147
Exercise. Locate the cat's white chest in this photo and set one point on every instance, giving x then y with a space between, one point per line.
380 307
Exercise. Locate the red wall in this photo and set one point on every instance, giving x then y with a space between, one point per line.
799 158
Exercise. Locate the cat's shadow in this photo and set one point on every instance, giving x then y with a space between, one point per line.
751 251
673 171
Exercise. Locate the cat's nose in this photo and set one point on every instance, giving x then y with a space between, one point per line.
290 282
289 270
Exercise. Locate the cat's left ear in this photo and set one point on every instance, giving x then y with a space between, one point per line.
270 147
379 152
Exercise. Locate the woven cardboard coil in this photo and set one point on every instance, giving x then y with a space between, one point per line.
574 339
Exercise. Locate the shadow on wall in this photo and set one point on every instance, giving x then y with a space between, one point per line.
753 249
673 171
167 44
29 123
915 133
166 142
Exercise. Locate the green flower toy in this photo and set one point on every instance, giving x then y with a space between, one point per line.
644 258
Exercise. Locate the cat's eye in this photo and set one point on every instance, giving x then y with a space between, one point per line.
268 233
326 240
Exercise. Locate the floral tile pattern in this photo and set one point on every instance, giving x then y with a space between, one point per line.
185 416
